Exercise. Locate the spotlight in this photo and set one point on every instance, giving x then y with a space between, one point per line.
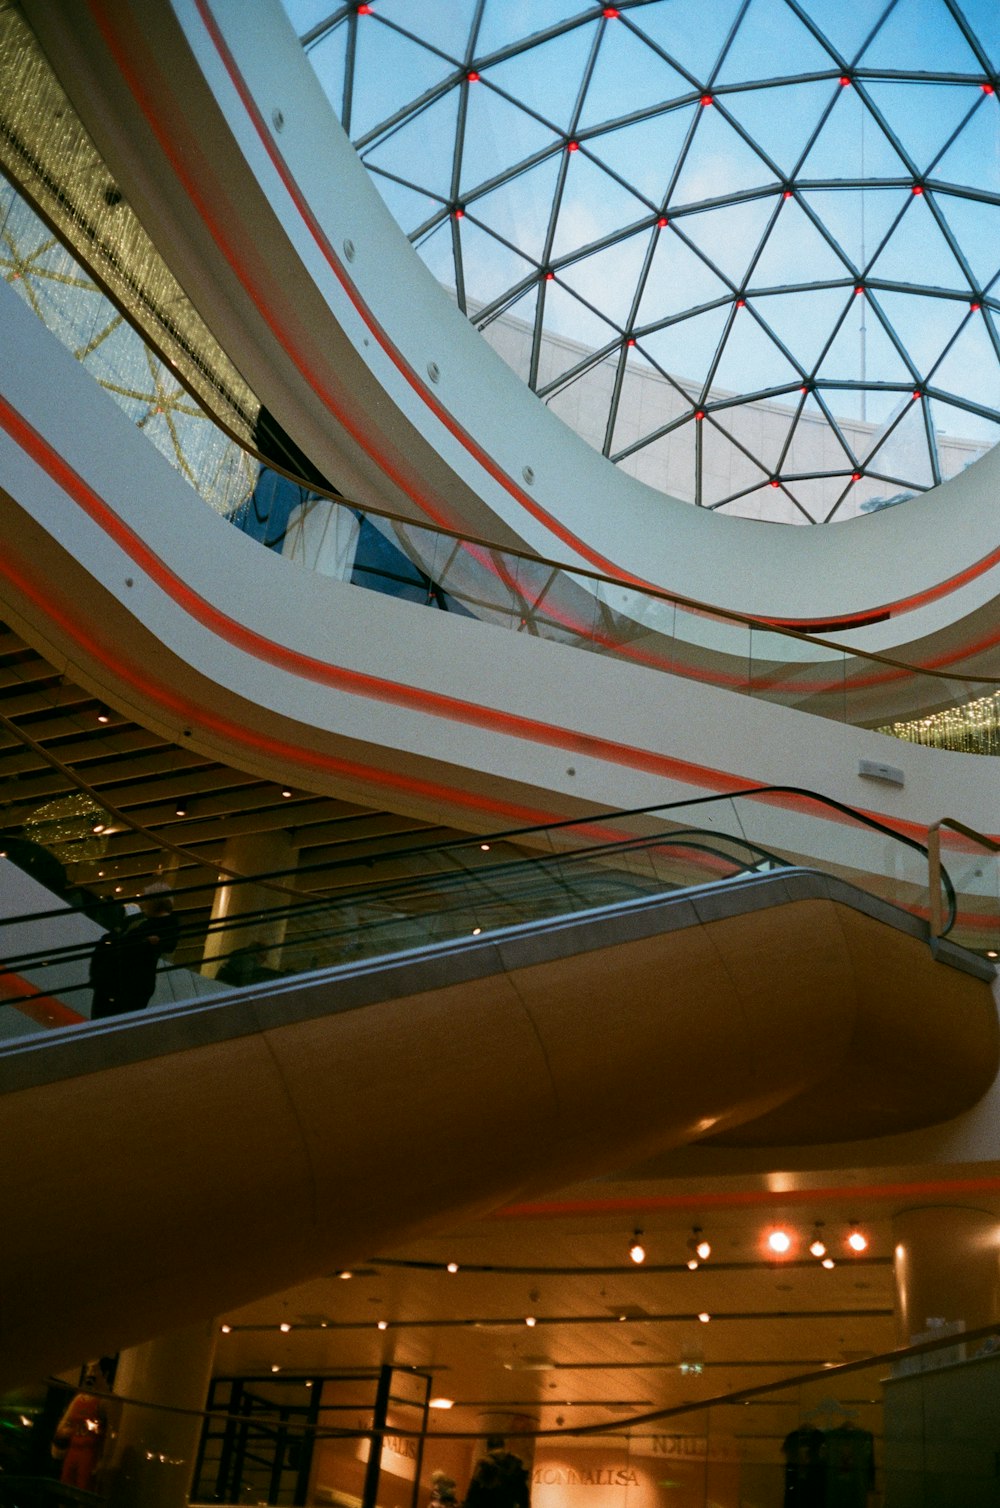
704 1316
181 808
780 1242
440 1403
857 1240
452 1266
637 1251
383 1324
285 792
98 827
692 1264
698 1244
226 1329
284 1327
828 1262
103 715
344 1273
530 1321
817 1246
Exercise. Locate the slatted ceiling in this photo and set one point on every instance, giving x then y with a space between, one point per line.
143 776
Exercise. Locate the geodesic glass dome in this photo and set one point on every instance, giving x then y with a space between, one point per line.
748 249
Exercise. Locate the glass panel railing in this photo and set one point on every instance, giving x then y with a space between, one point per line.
236 931
972 862
508 589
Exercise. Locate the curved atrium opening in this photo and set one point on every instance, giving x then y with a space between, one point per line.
749 251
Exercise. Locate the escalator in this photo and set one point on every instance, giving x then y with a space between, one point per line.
513 1013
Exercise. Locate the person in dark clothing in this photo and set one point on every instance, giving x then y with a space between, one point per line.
500 1479
123 963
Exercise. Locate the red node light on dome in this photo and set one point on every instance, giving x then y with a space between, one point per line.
611 13
973 306
775 482
572 146
706 99
630 341
459 212
987 88
845 82
663 222
855 476
859 289
472 76
550 277
699 413
741 303
917 393
918 188
364 10
787 194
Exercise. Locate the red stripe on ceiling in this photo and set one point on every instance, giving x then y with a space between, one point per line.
44 1009
164 136
561 1209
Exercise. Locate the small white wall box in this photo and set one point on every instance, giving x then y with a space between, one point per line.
872 770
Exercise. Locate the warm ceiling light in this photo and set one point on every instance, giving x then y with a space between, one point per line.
441 1403
530 1321
484 847
103 715
98 827
181 808
225 1329
990 953
637 1251
704 1250
275 1369
452 1266
383 1324
476 931
704 1316
345 1274
698 1244
779 1241
692 1264
285 1327
857 1240
828 1262
817 1248
285 792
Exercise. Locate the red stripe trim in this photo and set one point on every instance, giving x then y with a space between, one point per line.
44 1009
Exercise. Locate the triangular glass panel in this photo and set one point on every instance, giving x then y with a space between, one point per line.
730 235
973 161
920 36
816 445
852 144
960 438
690 32
970 368
593 207
761 428
628 75
517 20
646 153
976 227
609 278
719 162
769 505
983 17
519 209
904 455
725 468
795 252
750 360
307 14
817 495
770 32
422 149
571 332
858 219
498 135
803 321
847 24
328 59
922 117
437 252
918 253
678 280
408 208
647 400
873 495
586 402
686 350
923 324
489 266
668 463
443 26
547 78
782 119
511 333
862 352
390 71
